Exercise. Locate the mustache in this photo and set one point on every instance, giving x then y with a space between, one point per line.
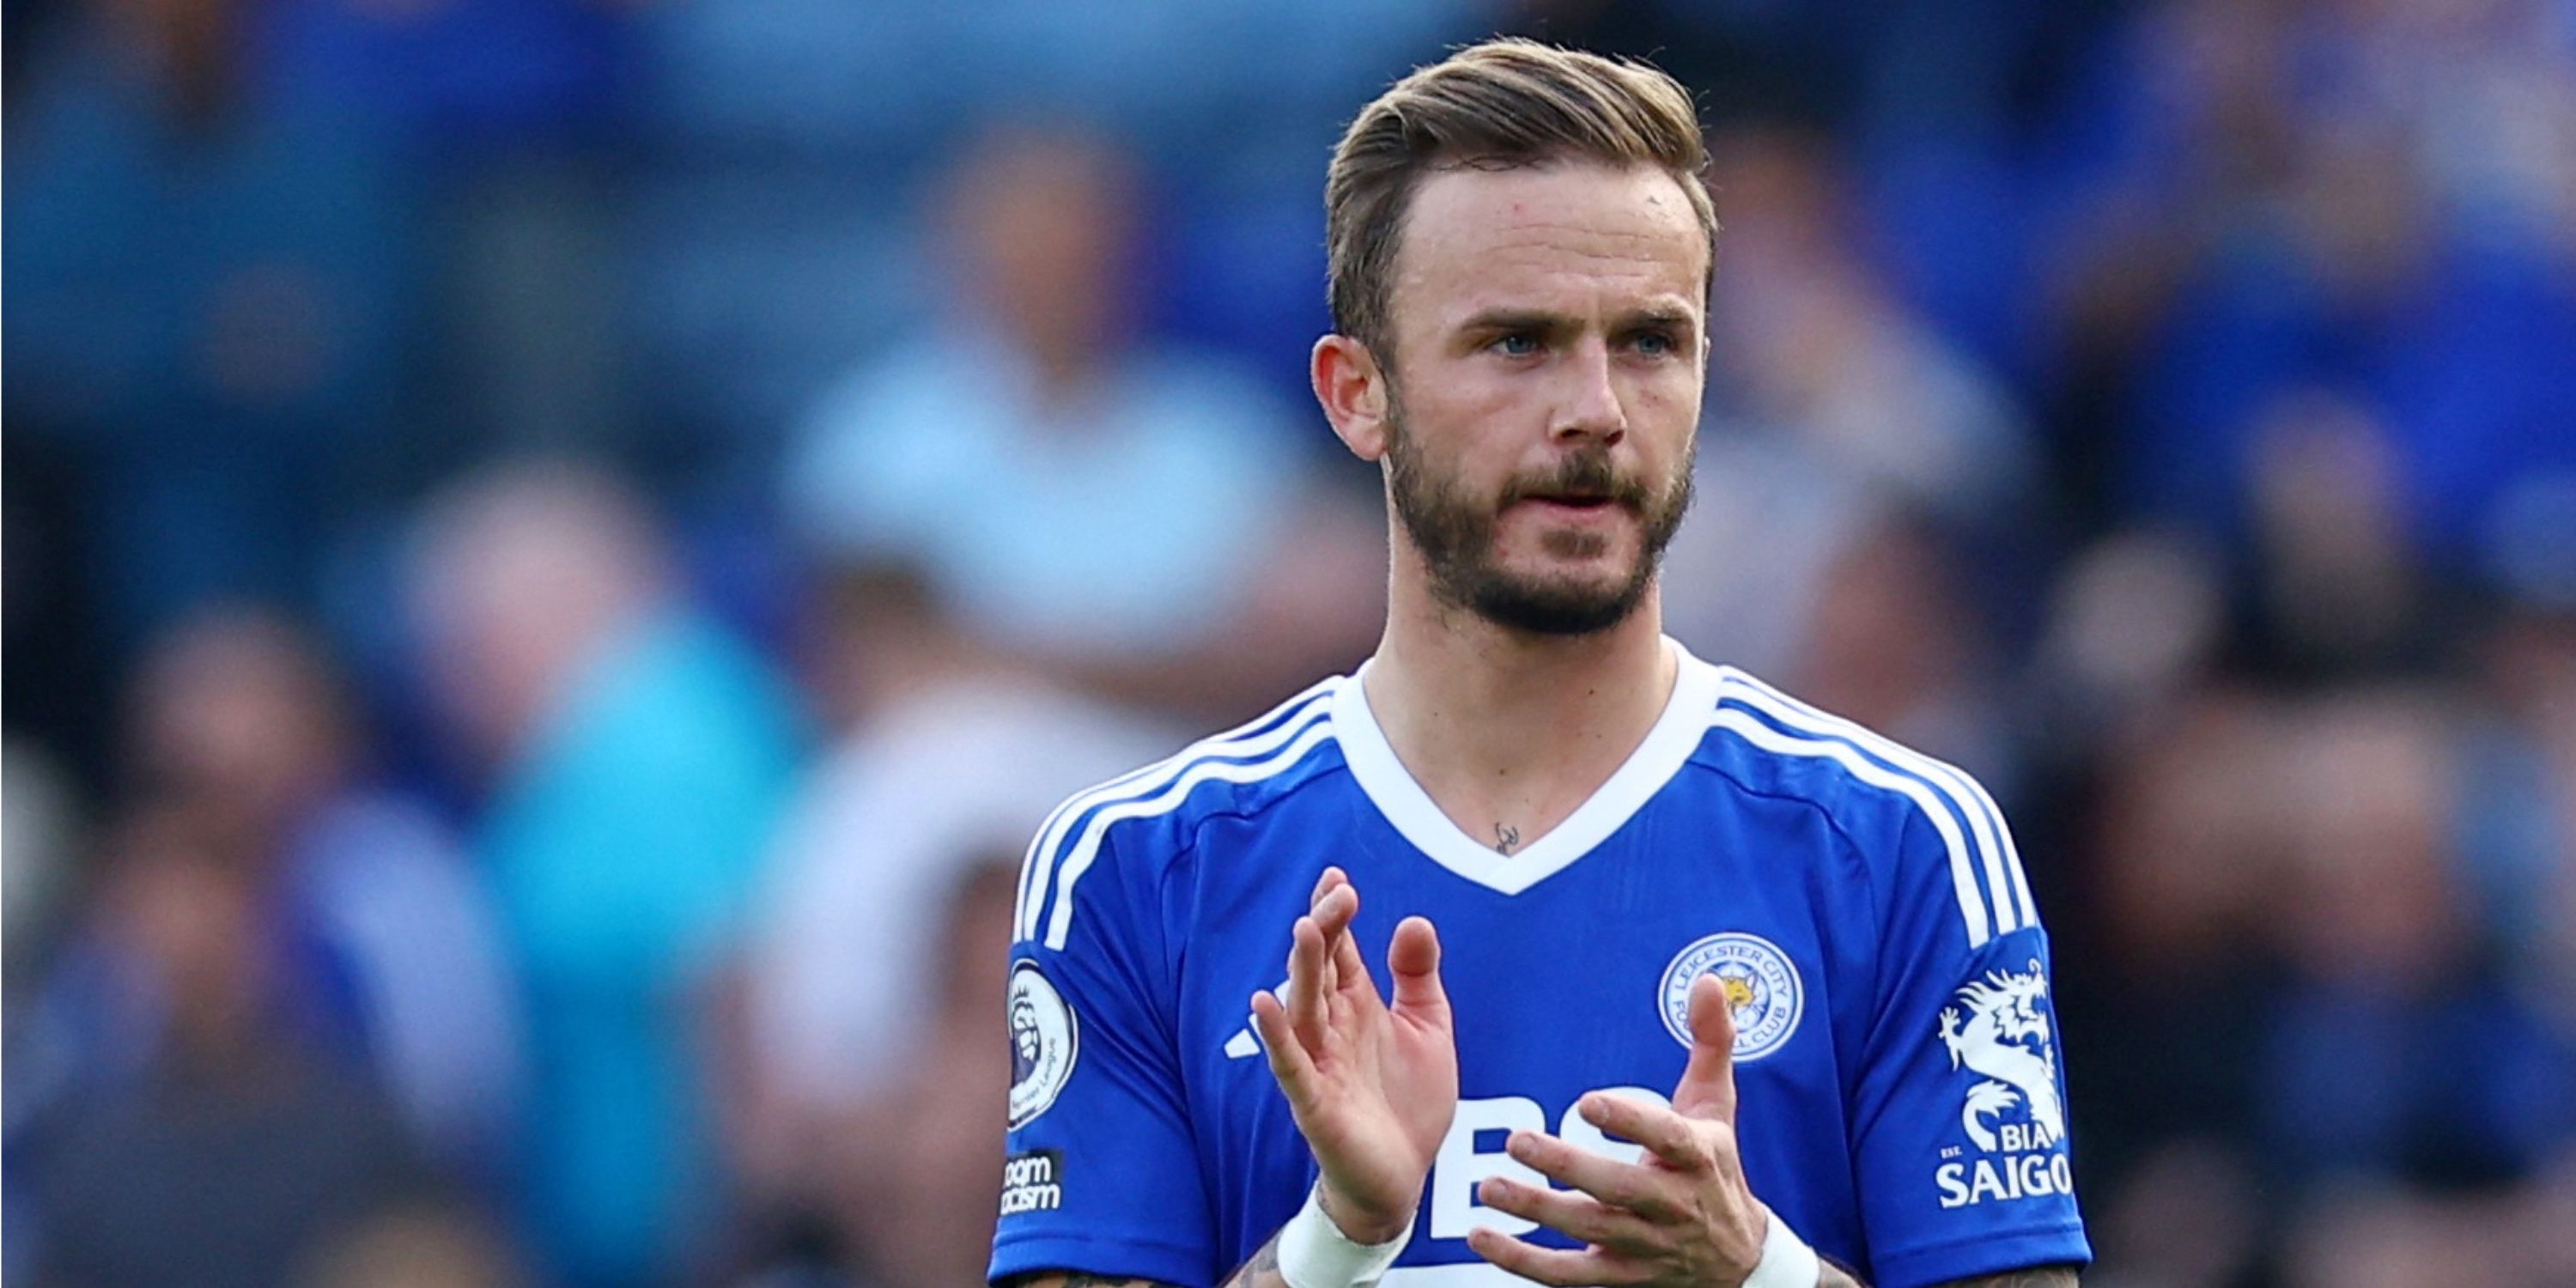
1584 474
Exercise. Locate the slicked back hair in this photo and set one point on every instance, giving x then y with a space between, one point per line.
1499 105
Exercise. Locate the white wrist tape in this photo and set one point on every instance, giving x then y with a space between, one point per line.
1314 1253
1787 1261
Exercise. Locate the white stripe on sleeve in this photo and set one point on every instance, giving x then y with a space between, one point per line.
1036 866
2004 876
1963 877
1309 732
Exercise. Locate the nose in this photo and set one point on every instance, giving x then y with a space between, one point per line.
1588 403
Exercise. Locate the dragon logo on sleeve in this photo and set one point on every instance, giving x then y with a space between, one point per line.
1996 1028
1999 1027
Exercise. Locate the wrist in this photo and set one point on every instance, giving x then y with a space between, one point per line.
1356 1223
1315 1251
1787 1261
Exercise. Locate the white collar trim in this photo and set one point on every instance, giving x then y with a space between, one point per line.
1391 787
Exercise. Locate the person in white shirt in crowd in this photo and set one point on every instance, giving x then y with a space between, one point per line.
1136 518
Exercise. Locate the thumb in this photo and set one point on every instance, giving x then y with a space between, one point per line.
1413 962
1707 1088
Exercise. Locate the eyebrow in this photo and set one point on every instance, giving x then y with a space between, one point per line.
1514 320
1511 319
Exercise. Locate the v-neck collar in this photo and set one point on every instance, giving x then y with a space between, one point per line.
1391 787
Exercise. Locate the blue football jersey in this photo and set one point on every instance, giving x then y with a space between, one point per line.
1901 1101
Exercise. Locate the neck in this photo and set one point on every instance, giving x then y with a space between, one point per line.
1509 731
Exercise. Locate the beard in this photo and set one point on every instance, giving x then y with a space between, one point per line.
1456 531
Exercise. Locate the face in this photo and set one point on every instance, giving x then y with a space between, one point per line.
237 711
1549 346
1045 223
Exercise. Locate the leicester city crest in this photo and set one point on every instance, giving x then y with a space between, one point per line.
1762 991
1044 1039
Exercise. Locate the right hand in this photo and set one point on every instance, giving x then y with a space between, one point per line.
1373 1086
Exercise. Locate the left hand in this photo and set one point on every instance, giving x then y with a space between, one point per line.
1681 1216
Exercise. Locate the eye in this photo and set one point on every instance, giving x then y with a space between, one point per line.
1516 344
1655 344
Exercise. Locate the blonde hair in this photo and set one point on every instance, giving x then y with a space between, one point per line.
1502 104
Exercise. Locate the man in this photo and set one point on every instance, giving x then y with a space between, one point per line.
996 455
1646 872
637 756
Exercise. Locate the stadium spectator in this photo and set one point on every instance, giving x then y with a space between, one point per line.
1834 414
212 277
957 755
2276 196
228 1149
381 947
782 144
2393 1051
912 1165
2339 587
1892 640
1094 506
636 755
1808 339
239 713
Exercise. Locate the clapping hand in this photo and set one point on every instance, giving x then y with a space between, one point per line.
1681 1215
1373 1084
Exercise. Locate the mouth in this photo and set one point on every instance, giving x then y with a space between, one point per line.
1571 503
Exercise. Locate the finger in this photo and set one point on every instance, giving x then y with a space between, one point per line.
1707 1088
1672 1137
1324 885
1289 1062
1306 985
1413 965
1332 918
1578 1216
1333 912
1352 976
1626 1185
1555 1266
1339 908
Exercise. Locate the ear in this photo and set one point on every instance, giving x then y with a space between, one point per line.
1353 390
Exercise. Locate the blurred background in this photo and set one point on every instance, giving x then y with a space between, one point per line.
557 550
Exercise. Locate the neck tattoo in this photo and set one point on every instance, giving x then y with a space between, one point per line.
1506 839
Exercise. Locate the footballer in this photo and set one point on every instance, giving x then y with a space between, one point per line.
1683 981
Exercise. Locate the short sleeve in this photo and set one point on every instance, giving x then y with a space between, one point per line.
1960 1143
1100 1175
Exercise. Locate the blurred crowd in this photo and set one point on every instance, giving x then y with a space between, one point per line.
559 549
